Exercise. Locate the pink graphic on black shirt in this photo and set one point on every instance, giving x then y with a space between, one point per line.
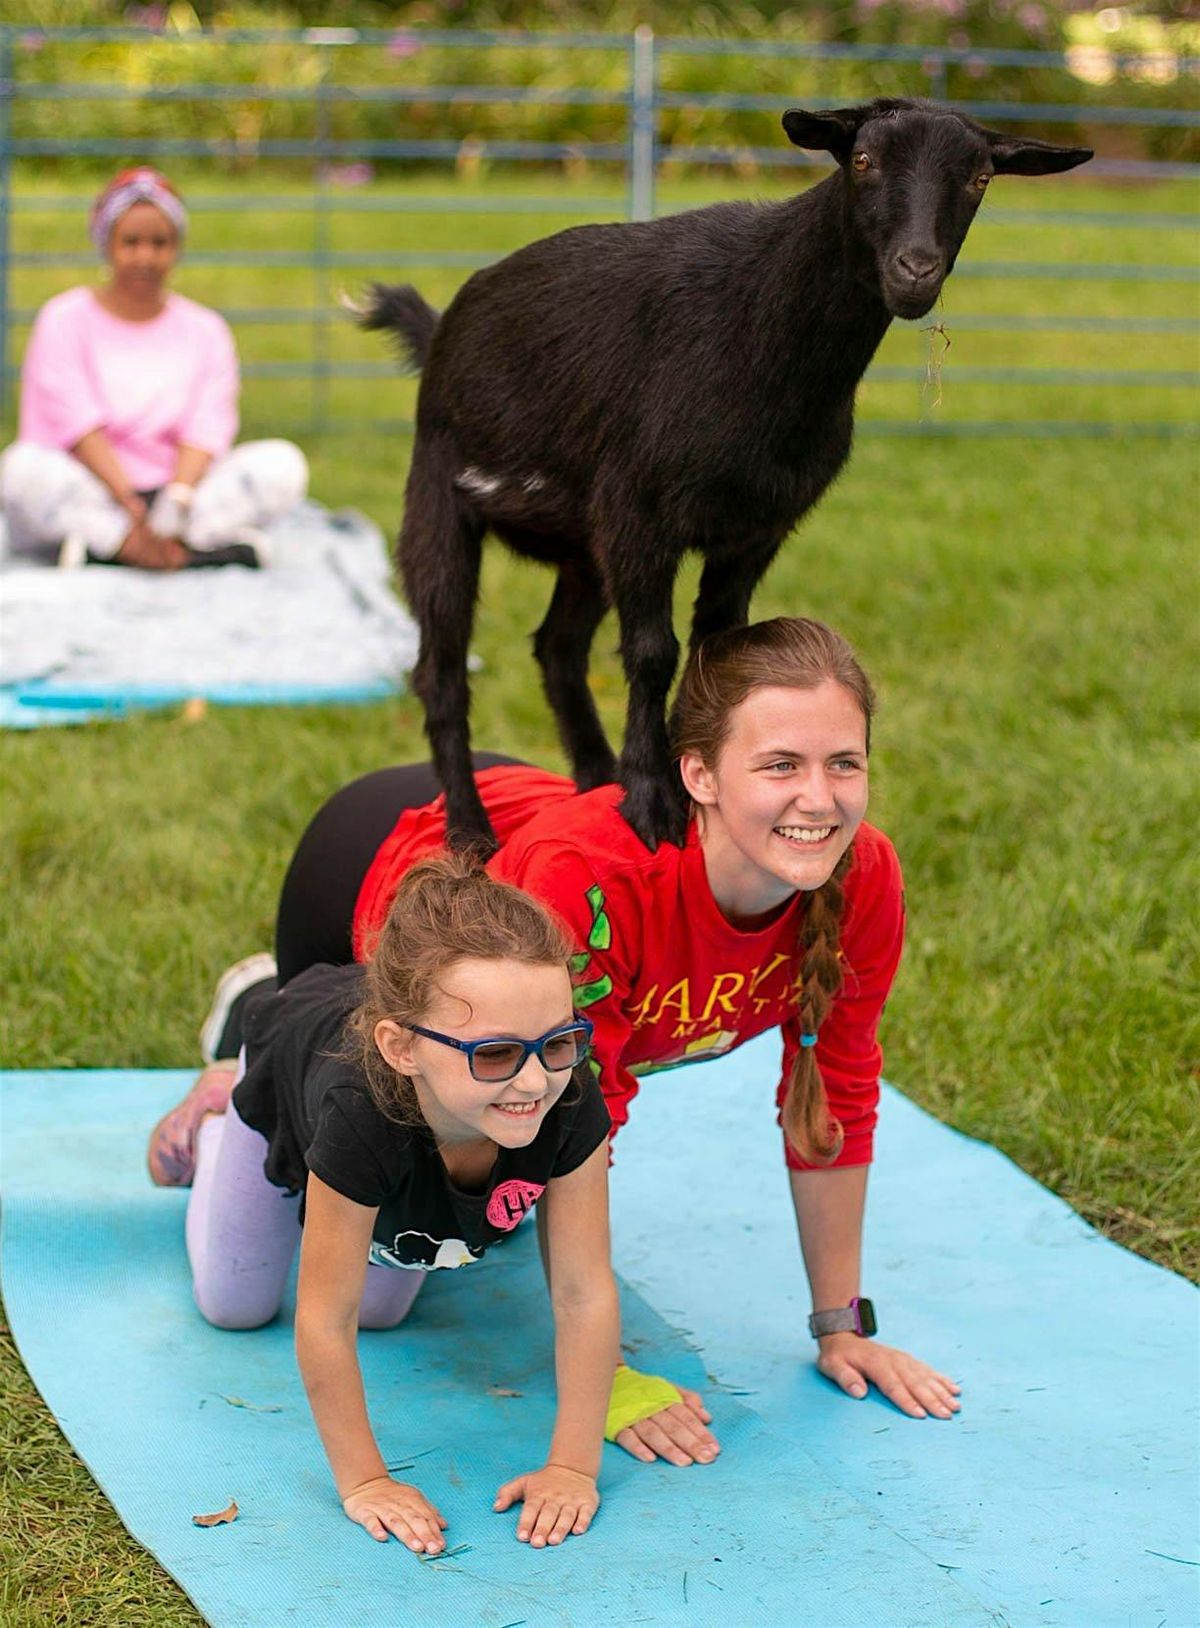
511 1202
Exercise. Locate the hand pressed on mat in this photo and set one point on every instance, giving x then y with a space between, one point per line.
557 1502
912 1385
393 1508
674 1430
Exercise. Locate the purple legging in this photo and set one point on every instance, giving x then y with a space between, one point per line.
242 1233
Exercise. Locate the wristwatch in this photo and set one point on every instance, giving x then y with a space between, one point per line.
856 1318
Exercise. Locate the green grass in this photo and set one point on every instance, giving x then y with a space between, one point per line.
1028 612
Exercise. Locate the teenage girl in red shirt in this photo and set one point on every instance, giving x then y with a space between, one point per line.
784 908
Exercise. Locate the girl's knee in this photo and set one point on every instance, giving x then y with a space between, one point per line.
292 468
388 1294
17 463
374 1319
233 1311
282 466
34 479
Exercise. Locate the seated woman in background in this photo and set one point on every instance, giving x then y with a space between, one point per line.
129 411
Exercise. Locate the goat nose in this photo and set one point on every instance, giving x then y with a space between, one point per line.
921 266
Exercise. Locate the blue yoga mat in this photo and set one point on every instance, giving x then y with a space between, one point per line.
1067 1492
1037 1506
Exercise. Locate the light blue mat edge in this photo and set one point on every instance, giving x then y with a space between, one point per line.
779 1525
40 706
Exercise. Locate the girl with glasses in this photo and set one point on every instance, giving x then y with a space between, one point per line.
415 1111
783 909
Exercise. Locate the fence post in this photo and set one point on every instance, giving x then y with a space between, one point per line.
322 292
6 91
642 125
936 69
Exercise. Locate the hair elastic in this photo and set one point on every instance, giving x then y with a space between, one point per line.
808 1039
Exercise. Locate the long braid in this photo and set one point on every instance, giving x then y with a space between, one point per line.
814 1134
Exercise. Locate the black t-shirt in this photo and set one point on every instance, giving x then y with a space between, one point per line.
313 1106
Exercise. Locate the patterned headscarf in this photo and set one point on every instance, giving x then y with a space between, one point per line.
142 185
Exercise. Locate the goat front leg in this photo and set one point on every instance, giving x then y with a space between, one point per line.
561 646
726 588
439 551
723 599
655 803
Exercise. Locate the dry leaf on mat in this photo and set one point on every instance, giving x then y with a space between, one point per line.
220 1519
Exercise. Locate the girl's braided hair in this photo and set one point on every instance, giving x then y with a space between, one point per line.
787 652
446 909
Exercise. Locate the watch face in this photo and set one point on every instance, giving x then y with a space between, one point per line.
866 1316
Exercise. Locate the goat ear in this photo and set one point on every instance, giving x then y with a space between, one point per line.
1022 155
831 131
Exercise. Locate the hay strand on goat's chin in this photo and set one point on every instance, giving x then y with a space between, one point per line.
934 360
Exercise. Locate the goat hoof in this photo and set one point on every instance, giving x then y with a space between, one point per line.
655 813
480 848
472 836
600 772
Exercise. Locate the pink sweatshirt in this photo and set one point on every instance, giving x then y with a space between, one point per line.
148 385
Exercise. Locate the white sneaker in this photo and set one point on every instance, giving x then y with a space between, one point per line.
234 981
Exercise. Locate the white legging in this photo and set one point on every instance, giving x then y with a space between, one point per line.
242 1233
48 495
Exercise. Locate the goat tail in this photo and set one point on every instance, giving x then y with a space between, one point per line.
399 310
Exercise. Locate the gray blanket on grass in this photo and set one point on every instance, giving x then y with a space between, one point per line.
322 617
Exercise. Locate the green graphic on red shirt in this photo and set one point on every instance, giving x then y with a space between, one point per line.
599 938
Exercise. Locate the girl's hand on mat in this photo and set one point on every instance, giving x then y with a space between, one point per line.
915 1388
557 1502
677 1433
386 1507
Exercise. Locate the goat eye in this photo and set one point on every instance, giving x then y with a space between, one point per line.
981 182
861 162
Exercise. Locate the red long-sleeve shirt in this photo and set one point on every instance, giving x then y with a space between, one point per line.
666 979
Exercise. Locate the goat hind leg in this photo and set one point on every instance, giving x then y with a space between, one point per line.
723 598
726 587
439 552
561 647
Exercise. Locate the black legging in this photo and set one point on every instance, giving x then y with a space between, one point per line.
320 890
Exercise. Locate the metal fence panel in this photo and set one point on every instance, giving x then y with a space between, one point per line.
643 158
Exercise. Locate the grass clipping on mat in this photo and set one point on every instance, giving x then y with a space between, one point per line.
221 1518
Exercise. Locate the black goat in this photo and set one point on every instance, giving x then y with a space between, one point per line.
610 397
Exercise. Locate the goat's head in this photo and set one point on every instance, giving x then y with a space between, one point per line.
914 174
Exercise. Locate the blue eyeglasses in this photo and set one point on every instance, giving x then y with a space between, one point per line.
492 1061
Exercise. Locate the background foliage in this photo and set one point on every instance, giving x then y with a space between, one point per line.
152 61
